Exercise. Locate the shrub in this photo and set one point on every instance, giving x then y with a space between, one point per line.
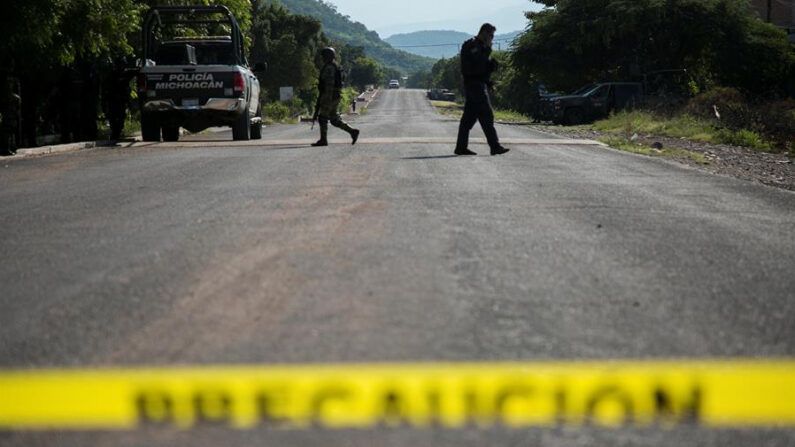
732 106
779 122
744 138
772 120
275 112
641 122
348 96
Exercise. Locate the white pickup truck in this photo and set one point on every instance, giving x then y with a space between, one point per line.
196 82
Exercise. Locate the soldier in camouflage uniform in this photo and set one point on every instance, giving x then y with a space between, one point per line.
327 108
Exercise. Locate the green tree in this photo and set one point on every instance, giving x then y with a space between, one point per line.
447 74
290 44
718 41
241 9
421 79
365 71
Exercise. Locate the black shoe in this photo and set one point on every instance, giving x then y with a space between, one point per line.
464 151
320 143
499 150
354 136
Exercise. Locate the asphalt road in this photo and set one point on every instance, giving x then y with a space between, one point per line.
212 252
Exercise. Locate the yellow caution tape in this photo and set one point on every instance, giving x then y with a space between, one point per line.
614 394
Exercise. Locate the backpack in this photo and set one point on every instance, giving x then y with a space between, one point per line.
339 77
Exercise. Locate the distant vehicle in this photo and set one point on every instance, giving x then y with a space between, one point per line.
196 82
394 83
441 95
592 102
659 89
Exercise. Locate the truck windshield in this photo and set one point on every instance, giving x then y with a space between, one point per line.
207 53
214 53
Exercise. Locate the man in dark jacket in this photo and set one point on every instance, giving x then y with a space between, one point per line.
477 66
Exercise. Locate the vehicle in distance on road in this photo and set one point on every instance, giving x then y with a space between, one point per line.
394 84
196 82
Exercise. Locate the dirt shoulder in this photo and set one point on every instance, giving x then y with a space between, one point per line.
775 170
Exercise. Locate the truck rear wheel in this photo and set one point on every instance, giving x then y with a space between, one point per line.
256 126
242 127
150 129
171 133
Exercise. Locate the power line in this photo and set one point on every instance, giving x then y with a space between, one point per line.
444 44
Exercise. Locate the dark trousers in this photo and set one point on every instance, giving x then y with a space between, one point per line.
477 108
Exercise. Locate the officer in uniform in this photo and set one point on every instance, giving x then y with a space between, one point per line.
10 109
327 108
477 66
117 97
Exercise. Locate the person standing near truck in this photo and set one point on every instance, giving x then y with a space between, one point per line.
477 66
117 96
327 107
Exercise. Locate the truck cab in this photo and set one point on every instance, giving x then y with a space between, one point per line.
596 101
196 81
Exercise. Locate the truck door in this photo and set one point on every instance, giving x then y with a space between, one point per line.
600 101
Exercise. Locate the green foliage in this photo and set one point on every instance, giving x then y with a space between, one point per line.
40 34
349 95
774 120
744 138
446 73
275 33
365 71
275 112
340 28
420 79
683 126
717 41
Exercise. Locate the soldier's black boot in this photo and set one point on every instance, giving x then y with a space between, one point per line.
499 150
323 141
354 136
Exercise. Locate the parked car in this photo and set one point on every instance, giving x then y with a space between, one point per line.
593 102
441 94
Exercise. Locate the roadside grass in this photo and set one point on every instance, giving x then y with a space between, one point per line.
455 109
627 145
132 126
448 108
511 116
682 126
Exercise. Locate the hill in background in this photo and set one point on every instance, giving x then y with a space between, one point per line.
442 44
341 28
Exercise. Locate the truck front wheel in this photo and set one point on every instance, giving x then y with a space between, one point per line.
150 129
171 133
574 116
241 128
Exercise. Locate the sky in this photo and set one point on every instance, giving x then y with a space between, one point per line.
388 17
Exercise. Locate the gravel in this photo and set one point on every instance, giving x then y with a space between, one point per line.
777 170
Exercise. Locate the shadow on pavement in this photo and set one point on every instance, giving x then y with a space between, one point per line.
430 157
